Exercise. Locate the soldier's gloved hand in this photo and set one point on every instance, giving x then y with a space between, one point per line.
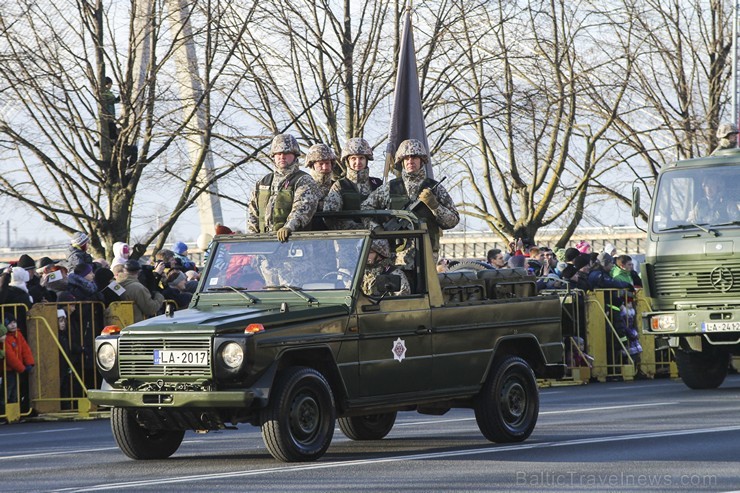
283 233
429 199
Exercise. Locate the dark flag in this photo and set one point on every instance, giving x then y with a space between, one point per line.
407 119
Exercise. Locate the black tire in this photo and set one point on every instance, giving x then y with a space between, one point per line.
508 405
705 370
139 443
298 422
470 265
370 427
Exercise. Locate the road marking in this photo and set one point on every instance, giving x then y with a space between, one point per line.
59 452
493 449
41 431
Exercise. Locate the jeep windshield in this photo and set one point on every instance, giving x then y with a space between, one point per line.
298 265
700 198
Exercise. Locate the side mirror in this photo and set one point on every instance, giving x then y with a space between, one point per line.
635 201
388 283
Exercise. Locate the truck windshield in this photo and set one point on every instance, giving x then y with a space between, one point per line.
697 198
310 264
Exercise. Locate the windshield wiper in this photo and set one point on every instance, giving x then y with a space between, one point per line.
296 290
691 225
730 223
240 291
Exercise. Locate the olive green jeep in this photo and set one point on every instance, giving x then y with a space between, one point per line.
282 336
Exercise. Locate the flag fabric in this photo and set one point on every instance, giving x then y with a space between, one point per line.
407 119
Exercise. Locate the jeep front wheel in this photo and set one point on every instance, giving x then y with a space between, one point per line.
507 407
140 443
298 422
370 427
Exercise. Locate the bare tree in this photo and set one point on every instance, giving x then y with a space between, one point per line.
680 91
58 154
532 84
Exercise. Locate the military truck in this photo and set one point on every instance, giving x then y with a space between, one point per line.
282 336
692 265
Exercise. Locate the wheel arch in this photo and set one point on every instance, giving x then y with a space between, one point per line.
320 359
525 346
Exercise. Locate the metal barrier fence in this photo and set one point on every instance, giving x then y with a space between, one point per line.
61 337
603 341
595 347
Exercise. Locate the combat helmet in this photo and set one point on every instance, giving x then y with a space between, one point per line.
725 130
357 146
411 147
381 247
286 144
319 152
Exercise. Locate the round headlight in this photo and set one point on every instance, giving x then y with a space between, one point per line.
232 355
106 356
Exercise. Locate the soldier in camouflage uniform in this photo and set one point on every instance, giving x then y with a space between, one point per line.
438 210
320 159
285 200
348 193
726 137
380 261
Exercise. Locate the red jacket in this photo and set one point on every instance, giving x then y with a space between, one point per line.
17 352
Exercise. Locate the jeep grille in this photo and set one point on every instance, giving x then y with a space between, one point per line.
136 357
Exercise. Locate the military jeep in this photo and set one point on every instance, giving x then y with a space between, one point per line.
282 336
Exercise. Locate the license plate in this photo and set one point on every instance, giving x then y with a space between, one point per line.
182 358
720 327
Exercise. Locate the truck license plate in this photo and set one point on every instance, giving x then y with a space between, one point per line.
720 327
186 358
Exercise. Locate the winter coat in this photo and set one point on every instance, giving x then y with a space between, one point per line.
82 289
146 304
17 352
75 256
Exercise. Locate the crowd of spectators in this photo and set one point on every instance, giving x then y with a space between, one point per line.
83 289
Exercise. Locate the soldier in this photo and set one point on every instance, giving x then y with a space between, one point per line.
726 137
285 200
380 261
348 193
439 211
320 160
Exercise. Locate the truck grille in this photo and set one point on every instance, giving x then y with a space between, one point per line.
698 280
136 357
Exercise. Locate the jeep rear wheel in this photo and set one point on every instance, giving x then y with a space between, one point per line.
702 370
507 407
298 422
140 443
370 427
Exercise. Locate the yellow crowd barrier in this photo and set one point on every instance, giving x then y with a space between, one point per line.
63 348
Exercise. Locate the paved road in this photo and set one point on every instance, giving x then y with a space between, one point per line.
641 436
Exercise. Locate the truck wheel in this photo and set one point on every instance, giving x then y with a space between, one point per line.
702 370
507 407
370 427
298 422
139 443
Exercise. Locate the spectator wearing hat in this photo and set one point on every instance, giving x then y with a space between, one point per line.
192 281
600 277
584 247
13 288
175 290
80 284
53 277
77 252
180 249
121 253
146 302
223 230
18 357
106 284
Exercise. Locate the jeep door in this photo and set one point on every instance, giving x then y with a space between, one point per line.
395 346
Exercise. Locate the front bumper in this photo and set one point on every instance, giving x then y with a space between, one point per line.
175 399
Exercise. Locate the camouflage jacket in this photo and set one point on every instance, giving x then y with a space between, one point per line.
305 200
335 202
385 266
324 182
445 214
